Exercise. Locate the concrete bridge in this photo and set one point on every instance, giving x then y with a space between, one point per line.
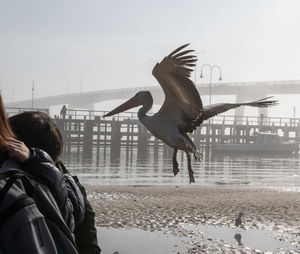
244 91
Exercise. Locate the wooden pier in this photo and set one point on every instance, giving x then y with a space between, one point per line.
84 131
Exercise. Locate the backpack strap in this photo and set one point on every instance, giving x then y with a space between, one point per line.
14 208
13 176
8 173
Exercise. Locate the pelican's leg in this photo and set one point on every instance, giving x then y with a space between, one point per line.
175 163
191 173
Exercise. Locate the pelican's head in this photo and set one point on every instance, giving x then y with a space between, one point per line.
144 97
140 98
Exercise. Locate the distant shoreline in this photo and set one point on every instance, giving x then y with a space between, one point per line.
245 185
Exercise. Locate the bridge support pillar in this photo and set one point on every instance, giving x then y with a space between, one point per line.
239 112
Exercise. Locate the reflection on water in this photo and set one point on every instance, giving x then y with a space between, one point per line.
238 238
255 239
137 241
130 167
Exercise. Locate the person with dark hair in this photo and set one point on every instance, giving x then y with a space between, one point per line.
33 193
37 129
63 112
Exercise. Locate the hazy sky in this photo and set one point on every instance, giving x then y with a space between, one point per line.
117 42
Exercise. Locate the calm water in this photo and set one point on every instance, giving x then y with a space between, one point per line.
155 168
136 241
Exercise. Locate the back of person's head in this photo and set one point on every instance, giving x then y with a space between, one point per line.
37 129
5 130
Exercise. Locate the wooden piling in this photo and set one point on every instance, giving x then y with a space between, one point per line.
87 138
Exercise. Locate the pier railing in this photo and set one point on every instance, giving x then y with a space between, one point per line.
78 114
84 130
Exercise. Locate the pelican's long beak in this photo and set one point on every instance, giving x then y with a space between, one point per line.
131 103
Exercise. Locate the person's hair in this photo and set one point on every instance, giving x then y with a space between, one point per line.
5 130
38 130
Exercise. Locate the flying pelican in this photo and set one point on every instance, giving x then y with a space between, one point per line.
182 110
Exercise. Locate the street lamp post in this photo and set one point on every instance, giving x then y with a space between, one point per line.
81 78
211 68
195 70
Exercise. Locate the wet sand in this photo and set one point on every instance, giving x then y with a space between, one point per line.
171 209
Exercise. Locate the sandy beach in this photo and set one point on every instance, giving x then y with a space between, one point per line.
175 209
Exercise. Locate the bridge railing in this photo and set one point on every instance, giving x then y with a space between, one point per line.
268 83
219 119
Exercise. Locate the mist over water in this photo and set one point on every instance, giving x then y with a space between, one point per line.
155 168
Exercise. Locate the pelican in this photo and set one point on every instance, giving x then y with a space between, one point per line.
182 110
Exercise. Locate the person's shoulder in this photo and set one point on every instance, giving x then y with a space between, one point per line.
41 165
9 163
38 155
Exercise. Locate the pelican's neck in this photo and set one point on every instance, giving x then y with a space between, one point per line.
146 107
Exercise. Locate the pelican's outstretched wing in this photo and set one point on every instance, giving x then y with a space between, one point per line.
215 109
182 103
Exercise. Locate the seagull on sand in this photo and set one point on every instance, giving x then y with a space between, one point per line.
238 220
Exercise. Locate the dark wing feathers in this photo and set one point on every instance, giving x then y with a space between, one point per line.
215 109
186 57
182 103
182 53
178 49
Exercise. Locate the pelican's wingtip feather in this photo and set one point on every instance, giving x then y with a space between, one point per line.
178 49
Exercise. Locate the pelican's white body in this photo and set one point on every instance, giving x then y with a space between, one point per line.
168 132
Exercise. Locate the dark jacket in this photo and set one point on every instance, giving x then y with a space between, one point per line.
70 197
39 226
66 193
85 232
